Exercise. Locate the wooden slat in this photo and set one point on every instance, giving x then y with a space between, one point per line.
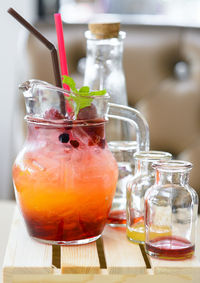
189 268
110 278
121 256
80 259
27 261
24 255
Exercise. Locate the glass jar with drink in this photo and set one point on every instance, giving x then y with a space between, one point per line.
65 175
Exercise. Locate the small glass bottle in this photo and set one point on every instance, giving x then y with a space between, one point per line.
143 179
123 152
171 208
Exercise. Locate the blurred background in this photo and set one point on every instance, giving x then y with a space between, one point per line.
161 64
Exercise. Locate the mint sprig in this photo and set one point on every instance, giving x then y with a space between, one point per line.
70 82
81 97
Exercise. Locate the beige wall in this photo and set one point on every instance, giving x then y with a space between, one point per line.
9 34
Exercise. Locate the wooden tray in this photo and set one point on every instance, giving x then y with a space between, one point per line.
111 259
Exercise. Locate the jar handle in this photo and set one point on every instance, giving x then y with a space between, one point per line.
135 119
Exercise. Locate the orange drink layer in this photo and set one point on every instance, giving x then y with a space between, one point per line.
65 180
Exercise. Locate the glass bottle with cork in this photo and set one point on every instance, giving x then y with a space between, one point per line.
104 70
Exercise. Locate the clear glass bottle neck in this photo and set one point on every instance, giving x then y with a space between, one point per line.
102 50
144 167
176 178
104 67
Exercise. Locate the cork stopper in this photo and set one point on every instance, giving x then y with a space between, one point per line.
104 30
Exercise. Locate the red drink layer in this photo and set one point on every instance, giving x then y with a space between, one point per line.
171 248
117 217
63 181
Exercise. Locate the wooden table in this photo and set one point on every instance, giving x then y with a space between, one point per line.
6 213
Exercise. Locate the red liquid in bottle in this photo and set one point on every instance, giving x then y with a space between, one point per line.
117 217
171 248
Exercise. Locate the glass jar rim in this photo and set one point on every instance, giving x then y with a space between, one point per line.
173 166
36 90
152 155
64 123
43 85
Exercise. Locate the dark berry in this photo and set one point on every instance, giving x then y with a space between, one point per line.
53 114
102 143
64 138
74 143
87 113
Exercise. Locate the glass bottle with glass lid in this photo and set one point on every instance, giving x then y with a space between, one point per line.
143 179
171 207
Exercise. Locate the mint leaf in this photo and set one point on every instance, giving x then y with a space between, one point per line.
98 92
79 102
85 102
80 99
84 89
70 82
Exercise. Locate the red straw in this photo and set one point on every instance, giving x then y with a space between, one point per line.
61 47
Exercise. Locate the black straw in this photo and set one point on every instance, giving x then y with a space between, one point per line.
49 45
